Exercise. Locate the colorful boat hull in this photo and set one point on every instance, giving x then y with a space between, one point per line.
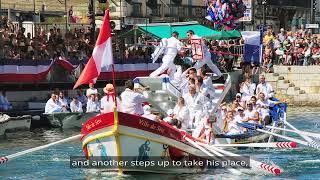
117 136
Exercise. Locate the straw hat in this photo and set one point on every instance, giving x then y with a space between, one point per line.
109 88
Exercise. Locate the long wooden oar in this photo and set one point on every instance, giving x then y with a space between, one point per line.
234 171
285 137
280 145
312 143
314 135
5 159
254 163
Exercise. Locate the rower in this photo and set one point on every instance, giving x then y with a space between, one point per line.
230 126
264 105
247 88
53 105
181 113
172 48
76 105
108 101
206 55
132 101
252 114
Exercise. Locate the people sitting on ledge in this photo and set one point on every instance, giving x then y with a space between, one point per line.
76 105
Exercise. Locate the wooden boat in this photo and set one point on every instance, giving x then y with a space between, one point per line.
121 136
66 120
19 123
124 137
4 121
278 116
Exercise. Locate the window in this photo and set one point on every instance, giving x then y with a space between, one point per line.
136 10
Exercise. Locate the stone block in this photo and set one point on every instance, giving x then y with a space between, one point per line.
296 88
270 77
291 85
282 86
302 92
292 92
275 74
280 78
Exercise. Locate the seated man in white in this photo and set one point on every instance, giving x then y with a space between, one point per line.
62 100
230 126
93 104
264 105
148 114
76 105
181 113
252 114
131 100
53 105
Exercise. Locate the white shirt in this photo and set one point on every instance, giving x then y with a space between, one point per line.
264 107
207 91
52 106
63 102
93 106
250 114
91 91
182 114
266 88
196 102
233 128
107 104
239 118
247 91
173 46
132 102
76 107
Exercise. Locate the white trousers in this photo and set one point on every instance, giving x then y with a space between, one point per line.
167 64
207 60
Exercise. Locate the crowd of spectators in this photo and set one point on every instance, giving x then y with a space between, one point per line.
16 44
290 48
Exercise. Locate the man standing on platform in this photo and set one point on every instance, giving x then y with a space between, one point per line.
173 46
206 55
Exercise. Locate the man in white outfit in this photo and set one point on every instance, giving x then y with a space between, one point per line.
206 55
196 104
53 105
265 87
173 46
131 101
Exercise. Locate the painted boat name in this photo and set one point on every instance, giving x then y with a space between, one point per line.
152 126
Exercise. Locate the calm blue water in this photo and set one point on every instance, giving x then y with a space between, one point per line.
53 163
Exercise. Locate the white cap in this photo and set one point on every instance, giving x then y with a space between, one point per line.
238 94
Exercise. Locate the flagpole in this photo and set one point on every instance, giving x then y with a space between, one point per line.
114 85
